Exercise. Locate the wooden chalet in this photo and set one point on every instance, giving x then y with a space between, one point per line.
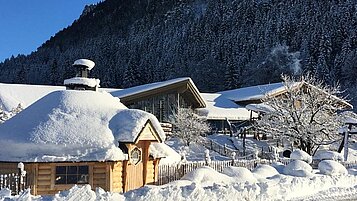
81 136
162 98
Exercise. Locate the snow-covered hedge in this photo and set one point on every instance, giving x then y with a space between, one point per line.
301 155
331 167
240 174
328 155
298 168
207 176
264 171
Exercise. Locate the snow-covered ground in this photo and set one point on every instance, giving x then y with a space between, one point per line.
194 152
263 183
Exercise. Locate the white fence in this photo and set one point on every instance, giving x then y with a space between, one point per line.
168 173
12 182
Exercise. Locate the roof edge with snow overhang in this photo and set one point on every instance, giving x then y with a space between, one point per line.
181 85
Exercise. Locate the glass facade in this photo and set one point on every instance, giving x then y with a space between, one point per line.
163 106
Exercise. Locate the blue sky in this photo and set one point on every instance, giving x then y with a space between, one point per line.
26 24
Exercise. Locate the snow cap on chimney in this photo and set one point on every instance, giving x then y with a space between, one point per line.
84 62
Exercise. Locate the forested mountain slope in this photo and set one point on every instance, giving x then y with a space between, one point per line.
221 44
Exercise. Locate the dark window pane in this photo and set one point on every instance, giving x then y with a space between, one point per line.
61 170
60 179
72 179
72 174
72 169
83 179
83 170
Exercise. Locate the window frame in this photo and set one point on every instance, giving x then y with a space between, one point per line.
55 186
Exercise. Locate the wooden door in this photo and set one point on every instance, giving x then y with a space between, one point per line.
134 176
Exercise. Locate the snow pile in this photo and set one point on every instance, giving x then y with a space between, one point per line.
278 166
85 193
4 193
264 171
167 154
328 155
298 168
91 82
207 176
127 124
301 155
330 167
240 174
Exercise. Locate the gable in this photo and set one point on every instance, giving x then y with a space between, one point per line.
148 133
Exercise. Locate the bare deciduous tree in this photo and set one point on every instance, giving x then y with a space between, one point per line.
307 113
189 126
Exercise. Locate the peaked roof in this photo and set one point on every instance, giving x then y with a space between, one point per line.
72 125
255 94
182 85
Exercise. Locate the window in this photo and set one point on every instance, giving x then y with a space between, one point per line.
72 174
135 156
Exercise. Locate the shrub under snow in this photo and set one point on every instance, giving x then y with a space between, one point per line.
207 175
240 174
264 171
301 155
331 167
328 155
298 168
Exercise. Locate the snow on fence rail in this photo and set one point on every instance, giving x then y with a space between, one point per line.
168 173
11 181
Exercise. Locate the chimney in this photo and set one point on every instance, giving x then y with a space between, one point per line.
83 67
81 81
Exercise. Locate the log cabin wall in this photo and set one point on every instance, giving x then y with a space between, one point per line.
8 168
150 174
117 177
41 177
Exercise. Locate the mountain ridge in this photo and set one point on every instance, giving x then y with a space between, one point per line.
220 44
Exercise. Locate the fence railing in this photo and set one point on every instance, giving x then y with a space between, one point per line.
221 149
12 181
168 173
224 150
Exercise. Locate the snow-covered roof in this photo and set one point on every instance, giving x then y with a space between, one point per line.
13 94
254 92
91 82
261 107
85 62
70 125
220 108
127 124
147 87
157 87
